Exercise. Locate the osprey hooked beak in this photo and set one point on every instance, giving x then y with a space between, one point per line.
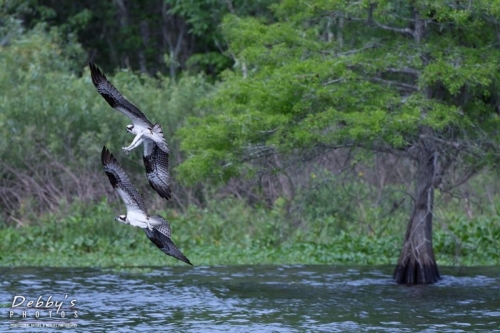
130 128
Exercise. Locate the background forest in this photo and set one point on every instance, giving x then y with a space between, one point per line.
292 127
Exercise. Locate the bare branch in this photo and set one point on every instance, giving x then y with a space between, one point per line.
397 84
332 81
369 46
386 149
403 70
394 29
374 147
471 172
453 144
258 151
407 31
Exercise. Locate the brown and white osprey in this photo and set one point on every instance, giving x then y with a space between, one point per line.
156 151
156 227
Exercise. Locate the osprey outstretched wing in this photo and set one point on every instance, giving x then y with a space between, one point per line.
156 150
116 100
160 236
157 229
156 163
123 186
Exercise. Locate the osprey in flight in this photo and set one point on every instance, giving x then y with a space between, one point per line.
156 227
156 151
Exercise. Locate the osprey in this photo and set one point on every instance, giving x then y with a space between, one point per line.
156 227
156 151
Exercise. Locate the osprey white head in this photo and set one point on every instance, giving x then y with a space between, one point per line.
121 218
130 129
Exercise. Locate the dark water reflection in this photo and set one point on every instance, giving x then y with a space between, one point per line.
255 299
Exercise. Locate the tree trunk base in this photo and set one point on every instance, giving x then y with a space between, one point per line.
414 273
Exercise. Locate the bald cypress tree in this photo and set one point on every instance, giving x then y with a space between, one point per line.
416 79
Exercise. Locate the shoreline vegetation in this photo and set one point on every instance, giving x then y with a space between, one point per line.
275 159
231 233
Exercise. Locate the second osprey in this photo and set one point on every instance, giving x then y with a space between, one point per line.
156 151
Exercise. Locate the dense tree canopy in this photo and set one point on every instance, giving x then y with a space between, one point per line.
167 36
343 76
414 79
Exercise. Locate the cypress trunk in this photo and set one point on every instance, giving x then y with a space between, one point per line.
416 264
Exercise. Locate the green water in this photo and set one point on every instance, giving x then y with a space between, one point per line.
250 299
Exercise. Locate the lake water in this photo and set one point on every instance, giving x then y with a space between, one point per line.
248 299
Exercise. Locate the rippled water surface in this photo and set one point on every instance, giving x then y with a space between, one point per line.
250 299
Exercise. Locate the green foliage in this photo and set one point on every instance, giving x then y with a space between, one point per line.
37 101
464 239
59 240
137 33
54 123
204 19
309 80
231 232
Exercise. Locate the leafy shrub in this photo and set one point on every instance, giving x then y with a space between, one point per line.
54 123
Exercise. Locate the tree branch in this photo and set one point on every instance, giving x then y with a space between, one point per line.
410 71
397 84
332 81
394 29
386 27
374 147
386 149
368 46
453 144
